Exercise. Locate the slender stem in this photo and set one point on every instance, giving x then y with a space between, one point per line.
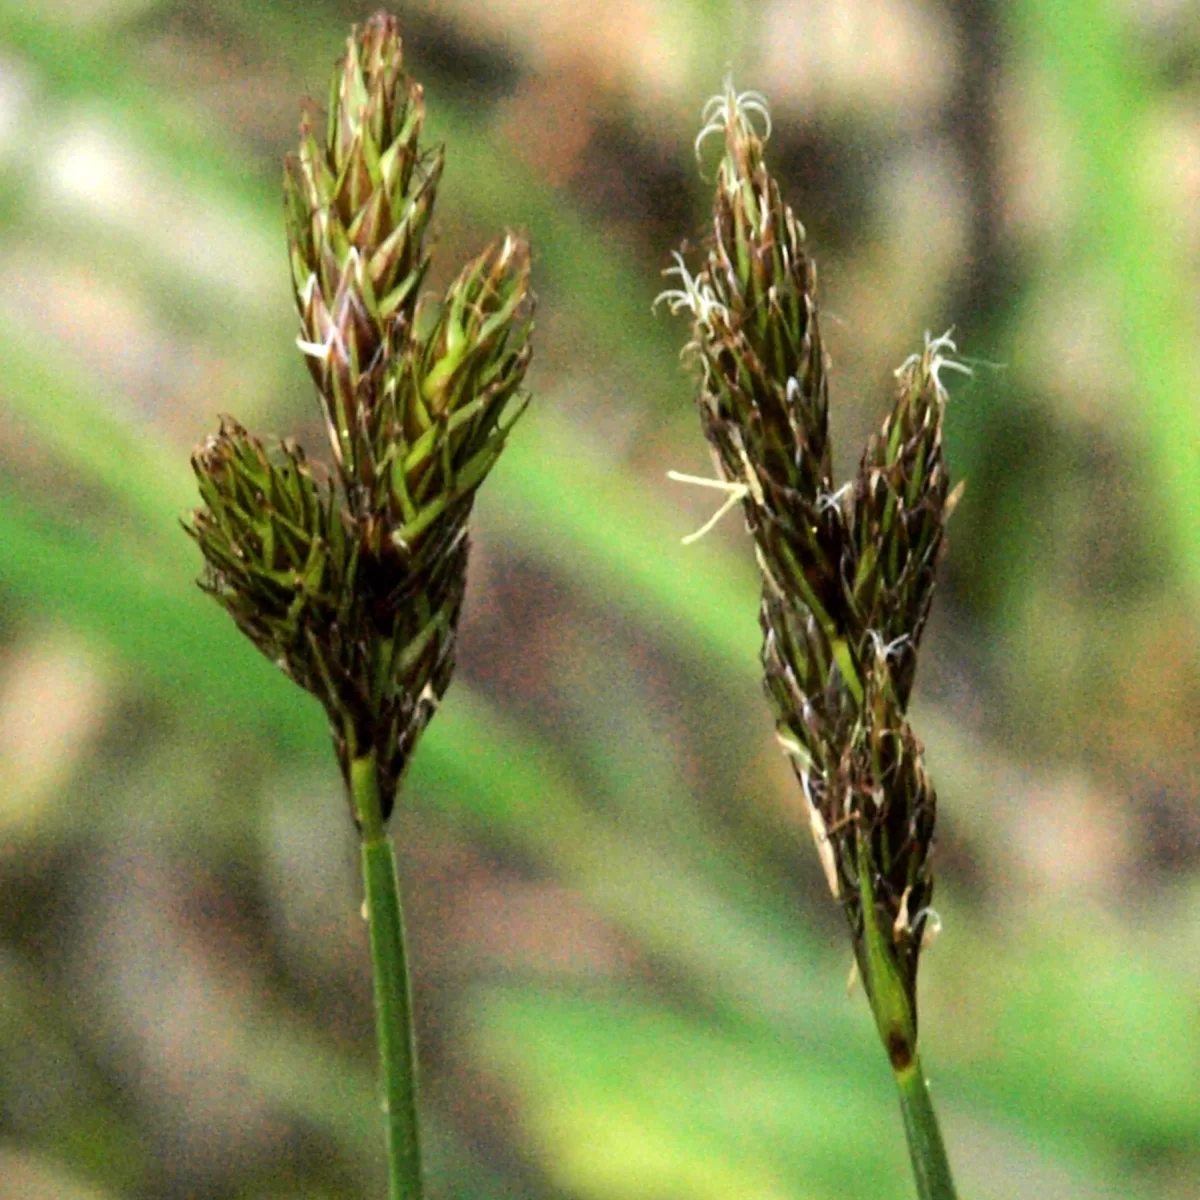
894 1017
393 1006
931 1168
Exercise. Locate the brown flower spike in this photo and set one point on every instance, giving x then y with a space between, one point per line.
847 574
352 583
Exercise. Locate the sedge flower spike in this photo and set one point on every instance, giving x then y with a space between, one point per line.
352 579
847 572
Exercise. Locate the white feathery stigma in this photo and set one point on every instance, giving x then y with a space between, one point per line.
833 500
885 651
730 108
934 359
694 294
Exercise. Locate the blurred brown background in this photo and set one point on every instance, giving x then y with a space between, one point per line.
629 975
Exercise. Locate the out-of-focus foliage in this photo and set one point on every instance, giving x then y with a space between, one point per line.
629 977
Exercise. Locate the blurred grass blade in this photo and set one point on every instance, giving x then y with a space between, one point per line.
1107 100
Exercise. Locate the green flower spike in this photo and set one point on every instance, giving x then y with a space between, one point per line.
353 584
352 580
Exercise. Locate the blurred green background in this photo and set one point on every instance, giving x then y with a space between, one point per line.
629 975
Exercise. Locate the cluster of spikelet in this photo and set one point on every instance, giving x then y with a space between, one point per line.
352 580
847 573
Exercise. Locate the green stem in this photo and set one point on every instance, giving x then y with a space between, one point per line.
393 1007
931 1168
896 1021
